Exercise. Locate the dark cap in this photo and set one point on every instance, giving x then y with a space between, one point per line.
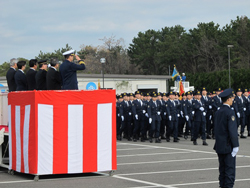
154 94
43 61
218 89
239 90
137 92
171 93
226 93
197 93
204 89
188 93
246 90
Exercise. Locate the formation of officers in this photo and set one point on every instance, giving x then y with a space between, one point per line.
44 78
156 116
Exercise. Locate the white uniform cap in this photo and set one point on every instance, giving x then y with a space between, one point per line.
69 52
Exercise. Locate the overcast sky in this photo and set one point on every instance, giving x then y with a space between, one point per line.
28 26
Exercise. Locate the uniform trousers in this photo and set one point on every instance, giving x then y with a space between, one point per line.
197 126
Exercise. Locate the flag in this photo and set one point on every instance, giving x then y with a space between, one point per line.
181 89
99 85
74 133
175 73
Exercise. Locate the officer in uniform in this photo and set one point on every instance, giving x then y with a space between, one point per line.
226 140
68 70
41 75
247 112
163 115
20 77
187 110
10 75
53 79
154 114
199 119
31 74
118 115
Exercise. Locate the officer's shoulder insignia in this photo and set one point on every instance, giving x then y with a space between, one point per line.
233 118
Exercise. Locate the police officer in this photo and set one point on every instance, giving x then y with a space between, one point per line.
247 112
31 74
20 77
10 75
226 140
53 79
187 110
41 75
118 115
68 70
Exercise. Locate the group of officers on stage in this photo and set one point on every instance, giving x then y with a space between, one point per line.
44 78
160 116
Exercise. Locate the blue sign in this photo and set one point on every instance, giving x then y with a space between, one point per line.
91 86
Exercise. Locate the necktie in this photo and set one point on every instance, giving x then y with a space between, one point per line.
173 102
155 103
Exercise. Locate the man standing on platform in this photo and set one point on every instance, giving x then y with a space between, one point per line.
20 77
10 76
41 75
68 70
226 139
31 74
53 79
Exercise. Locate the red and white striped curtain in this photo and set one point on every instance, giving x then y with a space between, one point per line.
57 132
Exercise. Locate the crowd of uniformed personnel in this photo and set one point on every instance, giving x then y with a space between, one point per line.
157 116
44 78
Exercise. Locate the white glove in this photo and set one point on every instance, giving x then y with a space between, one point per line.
204 113
136 116
146 114
193 112
235 151
187 118
244 109
201 109
210 117
169 117
232 108
150 120
181 113
218 108
165 113
122 118
118 115
238 114
143 111
178 115
159 113
210 107
130 113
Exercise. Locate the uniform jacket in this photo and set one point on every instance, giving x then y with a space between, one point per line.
216 103
137 107
31 79
240 106
225 130
21 81
198 114
10 76
153 109
41 79
68 74
188 108
171 108
126 110
53 79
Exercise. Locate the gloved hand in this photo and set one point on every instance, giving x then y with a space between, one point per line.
210 117
232 108
193 112
122 118
244 109
178 115
130 113
118 115
181 113
235 151
238 114
165 113
159 113
218 108
146 114
204 113
169 117
150 120
210 107
136 116
201 109
143 111
187 118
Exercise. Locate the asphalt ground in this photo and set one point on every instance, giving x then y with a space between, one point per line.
148 165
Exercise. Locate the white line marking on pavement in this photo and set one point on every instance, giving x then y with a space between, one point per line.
144 182
135 155
175 171
132 149
21 181
168 161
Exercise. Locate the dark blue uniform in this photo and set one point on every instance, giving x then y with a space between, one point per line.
171 108
126 115
10 76
226 138
137 109
241 119
21 81
68 74
187 110
31 79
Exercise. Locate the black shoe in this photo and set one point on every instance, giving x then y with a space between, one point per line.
249 133
179 135
163 137
157 140
150 140
204 143
135 140
119 137
176 140
195 142
129 139
142 140
192 139
168 139
242 136
208 137
186 137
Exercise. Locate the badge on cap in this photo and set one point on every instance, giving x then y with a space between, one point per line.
69 52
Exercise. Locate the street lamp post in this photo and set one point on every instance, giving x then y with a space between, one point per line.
102 60
229 46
